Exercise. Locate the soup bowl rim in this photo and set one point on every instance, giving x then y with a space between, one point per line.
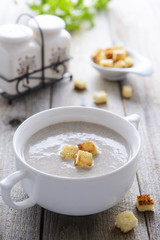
66 178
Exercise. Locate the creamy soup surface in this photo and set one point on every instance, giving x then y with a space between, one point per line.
42 150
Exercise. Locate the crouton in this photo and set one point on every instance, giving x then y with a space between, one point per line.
119 54
145 203
126 221
88 146
119 64
100 97
83 159
100 55
109 53
96 52
128 61
80 84
69 151
127 91
106 63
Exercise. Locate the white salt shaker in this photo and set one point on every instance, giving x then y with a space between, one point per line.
19 54
56 42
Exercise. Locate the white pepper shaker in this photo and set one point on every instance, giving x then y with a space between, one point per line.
56 42
20 54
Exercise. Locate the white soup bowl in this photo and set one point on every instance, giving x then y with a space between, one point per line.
68 195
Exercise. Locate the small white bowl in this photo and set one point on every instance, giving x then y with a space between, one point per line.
142 66
68 195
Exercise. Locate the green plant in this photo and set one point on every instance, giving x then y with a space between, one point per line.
73 12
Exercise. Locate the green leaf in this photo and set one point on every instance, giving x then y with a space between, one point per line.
73 12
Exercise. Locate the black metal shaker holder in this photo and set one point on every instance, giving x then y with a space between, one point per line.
28 76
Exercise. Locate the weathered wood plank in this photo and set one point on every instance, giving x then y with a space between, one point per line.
17 224
24 224
12 220
146 99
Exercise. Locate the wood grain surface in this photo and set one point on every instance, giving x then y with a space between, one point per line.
136 24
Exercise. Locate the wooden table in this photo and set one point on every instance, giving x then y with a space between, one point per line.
136 24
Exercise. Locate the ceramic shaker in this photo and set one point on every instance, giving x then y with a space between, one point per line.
56 42
20 54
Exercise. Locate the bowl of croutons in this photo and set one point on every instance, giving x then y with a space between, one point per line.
116 62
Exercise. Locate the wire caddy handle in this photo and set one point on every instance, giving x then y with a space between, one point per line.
29 75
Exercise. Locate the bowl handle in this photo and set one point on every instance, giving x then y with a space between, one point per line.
7 185
134 118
